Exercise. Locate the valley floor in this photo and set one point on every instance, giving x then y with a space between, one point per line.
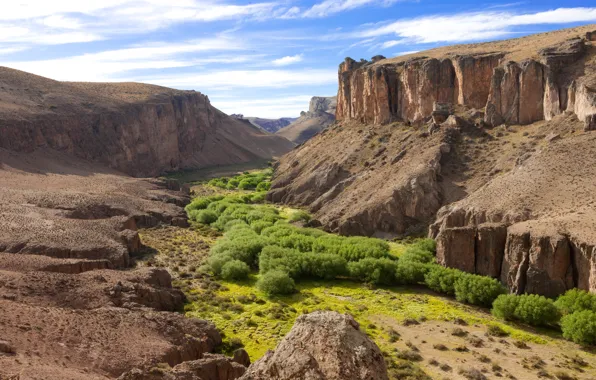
421 333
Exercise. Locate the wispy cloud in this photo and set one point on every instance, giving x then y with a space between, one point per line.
471 26
114 64
287 60
273 107
246 78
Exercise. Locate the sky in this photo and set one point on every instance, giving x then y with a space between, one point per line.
263 58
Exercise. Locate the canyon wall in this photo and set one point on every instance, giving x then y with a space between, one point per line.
533 89
141 130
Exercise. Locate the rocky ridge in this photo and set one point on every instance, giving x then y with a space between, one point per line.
320 114
139 129
475 141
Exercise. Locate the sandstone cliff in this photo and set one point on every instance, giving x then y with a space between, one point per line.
520 82
139 129
489 145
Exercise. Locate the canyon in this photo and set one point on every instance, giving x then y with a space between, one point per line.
477 146
141 130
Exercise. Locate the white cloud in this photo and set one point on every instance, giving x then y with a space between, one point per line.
329 7
266 107
287 60
112 64
471 26
245 78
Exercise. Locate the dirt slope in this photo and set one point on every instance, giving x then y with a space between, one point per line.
136 128
320 114
517 199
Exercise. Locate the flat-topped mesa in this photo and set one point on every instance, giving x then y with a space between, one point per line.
536 88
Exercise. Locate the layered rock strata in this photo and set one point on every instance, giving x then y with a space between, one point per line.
513 92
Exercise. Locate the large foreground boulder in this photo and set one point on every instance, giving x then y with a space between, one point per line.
322 346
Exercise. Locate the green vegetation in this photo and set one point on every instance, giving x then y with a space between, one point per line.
273 269
235 270
260 181
576 300
580 327
276 282
529 308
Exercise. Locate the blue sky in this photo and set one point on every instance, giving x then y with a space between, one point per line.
259 58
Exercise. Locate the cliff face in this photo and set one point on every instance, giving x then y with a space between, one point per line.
149 132
544 84
320 114
486 147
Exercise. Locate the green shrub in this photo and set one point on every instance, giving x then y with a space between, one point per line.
206 216
411 272
217 261
478 290
326 266
242 244
274 257
441 279
529 308
580 327
235 270
232 184
202 203
276 282
264 186
300 242
425 244
247 184
374 270
259 225
299 216
258 197
277 231
218 182
576 300
417 254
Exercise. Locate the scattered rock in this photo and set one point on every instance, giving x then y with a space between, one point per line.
322 346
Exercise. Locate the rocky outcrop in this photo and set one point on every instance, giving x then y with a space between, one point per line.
142 131
407 90
323 104
320 114
322 346
513 92
209 367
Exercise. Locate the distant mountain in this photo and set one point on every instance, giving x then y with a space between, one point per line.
271 125
320 114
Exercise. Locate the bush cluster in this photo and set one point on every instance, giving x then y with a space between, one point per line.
529 308
580 327
276 282
260 181
576 300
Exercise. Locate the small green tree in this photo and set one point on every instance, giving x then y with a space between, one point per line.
478 290
576 300
533 309
276 282
235 270
580 327
206 216
374 270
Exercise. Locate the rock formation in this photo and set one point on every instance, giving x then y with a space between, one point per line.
479 143
139 129
320 114
271 125
545 83
321 346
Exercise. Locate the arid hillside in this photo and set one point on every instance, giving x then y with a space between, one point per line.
320 114
490 145
139 129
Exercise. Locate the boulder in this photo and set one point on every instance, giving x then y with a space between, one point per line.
322 346
209 367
